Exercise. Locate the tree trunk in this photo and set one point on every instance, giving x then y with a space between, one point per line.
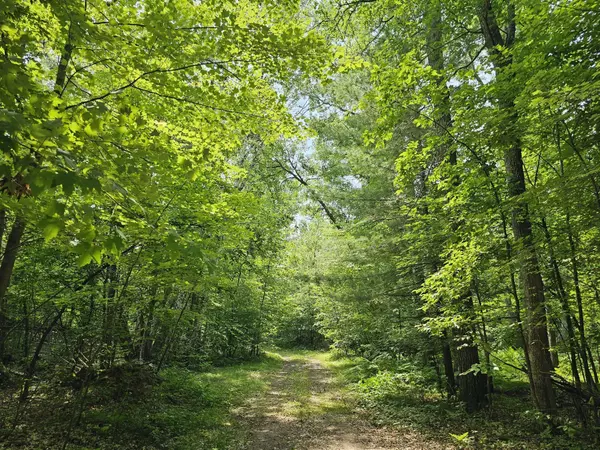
2 225
485 340
533 285
30 371
6 270
564 303
448 367
171 337
146 344
110 314
531 279
581 322
26 325
471 384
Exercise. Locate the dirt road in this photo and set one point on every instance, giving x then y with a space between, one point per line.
305 409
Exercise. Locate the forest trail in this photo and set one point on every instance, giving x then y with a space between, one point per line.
305 408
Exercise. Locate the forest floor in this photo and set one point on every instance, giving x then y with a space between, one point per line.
281 401
306 407
284 400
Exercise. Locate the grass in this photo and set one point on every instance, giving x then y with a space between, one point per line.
185 410
302 385
195 411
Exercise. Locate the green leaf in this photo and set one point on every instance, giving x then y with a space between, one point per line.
460 437
51 230
97 254
84 259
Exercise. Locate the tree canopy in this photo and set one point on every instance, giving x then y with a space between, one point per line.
412 182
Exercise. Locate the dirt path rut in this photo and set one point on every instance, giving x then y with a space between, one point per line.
304 409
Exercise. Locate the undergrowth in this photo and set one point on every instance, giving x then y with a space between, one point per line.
182 409
399 393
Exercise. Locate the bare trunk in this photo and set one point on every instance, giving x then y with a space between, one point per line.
564 303
531 279
30 371
171 337
6 270
110 314
581 322
484 337
61 73
471 384
448 367
2 225
539 345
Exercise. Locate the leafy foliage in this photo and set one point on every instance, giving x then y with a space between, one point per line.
412 183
